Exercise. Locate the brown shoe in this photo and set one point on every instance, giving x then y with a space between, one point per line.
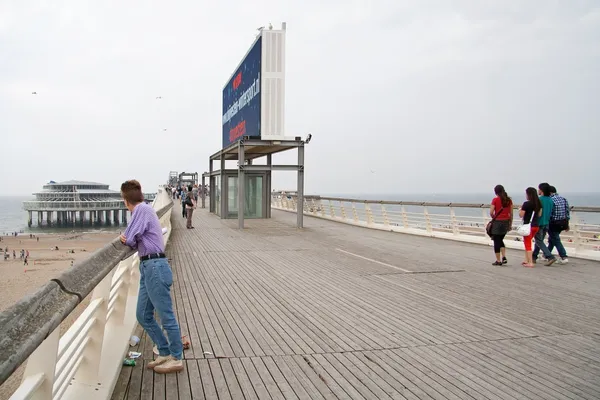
550 262
172 365
159 360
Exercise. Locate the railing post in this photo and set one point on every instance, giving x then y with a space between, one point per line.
87 372
455 229
404 217
428 226
331 210
43 361
485 220
577 241
354 213
313 206
343 210
386 221
369 214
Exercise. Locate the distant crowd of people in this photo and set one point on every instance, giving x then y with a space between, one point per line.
546 213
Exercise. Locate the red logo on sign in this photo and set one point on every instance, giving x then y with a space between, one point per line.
237 81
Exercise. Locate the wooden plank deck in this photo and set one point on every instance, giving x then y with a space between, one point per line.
335 311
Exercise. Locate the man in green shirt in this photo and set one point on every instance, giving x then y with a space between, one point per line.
544 222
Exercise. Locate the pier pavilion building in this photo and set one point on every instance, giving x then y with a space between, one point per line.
76 202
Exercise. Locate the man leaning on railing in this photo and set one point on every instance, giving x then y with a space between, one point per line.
145 233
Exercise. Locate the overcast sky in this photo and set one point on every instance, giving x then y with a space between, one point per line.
432 95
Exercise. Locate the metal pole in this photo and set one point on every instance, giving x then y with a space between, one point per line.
202 191
267 190
300 202
222 188
241 192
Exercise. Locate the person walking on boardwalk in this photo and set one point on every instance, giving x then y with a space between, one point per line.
156 278
501 212
190 205
183 197
544 221
531 210
559 221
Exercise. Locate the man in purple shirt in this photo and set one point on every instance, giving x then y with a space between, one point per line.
144 233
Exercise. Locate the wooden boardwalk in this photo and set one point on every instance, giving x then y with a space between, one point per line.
335 311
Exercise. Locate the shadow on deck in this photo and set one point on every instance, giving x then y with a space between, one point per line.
335 311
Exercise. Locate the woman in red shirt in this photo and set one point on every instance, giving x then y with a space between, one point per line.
501 212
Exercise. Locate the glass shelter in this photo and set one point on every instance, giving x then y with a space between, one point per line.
249 186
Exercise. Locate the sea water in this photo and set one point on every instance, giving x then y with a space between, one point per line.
14 219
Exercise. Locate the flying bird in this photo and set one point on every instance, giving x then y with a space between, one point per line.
164 129
33 92
372 171
158 97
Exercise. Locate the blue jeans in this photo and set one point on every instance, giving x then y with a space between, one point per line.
155 293
554 241
540 245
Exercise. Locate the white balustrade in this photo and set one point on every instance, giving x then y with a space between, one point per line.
459 223
86 361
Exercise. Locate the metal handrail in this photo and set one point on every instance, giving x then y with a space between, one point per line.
429 219
432 204
27 324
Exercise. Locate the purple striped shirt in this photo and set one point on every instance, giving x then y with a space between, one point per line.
144 231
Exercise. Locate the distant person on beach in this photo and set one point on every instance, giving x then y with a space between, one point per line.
190 206
156 278
501 212
559 221
531 210
544 221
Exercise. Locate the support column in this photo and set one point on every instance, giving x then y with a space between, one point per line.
202 195
116 217
81 217
48 218
125 217
211 181
300 202
223 200
267 199
40 217
241 179
30 219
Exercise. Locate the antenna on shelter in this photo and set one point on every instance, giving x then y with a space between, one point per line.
283 26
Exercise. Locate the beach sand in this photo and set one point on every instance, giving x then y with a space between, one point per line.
19 280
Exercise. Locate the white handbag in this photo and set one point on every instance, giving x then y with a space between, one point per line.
525 229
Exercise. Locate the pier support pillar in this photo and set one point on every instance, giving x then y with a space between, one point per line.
124 217
81 217
300 189
48 218
40 217
29 220
116 217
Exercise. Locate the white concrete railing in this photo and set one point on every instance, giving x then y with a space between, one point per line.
85 362
446 221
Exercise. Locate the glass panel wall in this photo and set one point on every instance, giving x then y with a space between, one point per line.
218 195
254 196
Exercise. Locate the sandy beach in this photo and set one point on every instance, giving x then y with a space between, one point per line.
45 263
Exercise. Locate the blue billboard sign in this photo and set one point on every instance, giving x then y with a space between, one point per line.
241 98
